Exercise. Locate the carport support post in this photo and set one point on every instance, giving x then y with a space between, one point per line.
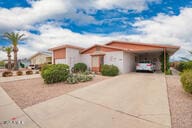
165 59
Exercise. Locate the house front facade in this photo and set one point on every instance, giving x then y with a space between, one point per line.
124 55
39 58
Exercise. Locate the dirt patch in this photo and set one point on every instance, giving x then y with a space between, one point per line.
180 103
29 92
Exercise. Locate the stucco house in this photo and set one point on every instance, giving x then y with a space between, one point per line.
124 55
44 57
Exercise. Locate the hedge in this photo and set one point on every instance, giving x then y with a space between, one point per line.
186 80
55 73
109 70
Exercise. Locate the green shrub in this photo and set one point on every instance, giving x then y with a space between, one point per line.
184 66
29 72
186 80
19 73
7 74
80 67
44 67
55 73
109 70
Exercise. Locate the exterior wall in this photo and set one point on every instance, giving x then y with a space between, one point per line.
115 58
128 62
39 59
59 54
72 56
60 61
86 58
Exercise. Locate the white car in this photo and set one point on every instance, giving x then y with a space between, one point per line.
145 66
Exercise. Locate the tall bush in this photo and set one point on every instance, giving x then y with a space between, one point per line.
80 67
186 80
109 70
55 73
162 62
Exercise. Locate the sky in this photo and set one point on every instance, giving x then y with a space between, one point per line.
50 23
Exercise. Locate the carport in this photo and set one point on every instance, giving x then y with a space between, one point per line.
153 55
143 51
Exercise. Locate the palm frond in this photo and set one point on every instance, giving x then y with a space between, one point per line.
13 37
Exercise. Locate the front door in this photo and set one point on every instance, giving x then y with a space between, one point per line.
97 62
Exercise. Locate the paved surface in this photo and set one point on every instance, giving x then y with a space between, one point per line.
9 110
136 100
174 71
15 78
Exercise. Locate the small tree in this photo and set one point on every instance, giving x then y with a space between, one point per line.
14 38
8 50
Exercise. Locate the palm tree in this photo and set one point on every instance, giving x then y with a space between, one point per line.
8 50
14 38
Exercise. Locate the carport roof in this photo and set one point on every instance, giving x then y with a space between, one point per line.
143 47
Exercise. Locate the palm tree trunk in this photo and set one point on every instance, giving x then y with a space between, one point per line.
15 50
9 62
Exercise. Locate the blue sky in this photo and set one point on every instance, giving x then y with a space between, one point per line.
48 23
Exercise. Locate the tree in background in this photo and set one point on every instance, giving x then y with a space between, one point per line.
8 50
14 38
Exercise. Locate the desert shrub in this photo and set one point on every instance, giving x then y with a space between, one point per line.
72 79
36 72
186 80
109 70
80 67
7 73
29 72
19 73
75 78
55 73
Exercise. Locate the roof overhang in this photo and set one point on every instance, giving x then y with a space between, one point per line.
65 46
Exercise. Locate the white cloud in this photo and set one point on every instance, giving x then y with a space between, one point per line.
175 30
163 28
41 10
138 5
13 18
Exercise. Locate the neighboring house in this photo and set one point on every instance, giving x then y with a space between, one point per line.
124 55
44 57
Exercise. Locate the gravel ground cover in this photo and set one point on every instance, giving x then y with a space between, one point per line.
180 103
29 92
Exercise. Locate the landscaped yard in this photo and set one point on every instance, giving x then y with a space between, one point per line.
29 92
180 103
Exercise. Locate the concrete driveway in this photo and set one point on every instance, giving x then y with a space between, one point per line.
136 100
